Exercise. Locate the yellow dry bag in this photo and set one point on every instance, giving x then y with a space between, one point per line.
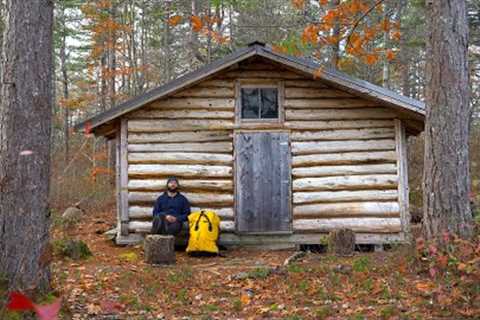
204 229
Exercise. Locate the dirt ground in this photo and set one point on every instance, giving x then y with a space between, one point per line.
115 283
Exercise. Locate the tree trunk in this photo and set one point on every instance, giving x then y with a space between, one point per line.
446 172
336 33
25 125
63 66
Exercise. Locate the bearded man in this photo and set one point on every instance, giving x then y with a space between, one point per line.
171 210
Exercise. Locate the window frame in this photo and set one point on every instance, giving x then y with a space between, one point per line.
239 85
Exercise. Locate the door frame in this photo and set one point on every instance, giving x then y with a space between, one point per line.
290 193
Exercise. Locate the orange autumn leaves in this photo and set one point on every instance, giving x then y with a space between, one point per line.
201 24
345 24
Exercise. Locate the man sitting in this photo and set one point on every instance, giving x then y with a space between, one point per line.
171 210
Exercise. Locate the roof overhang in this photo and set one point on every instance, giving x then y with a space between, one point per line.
103 123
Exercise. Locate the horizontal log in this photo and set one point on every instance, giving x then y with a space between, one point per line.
146 226
178 125
344 158
179 158
269 74
338 124
257 66
186 136
160 185
312 237
216 83
138 212
304 84
195 199
344 196
373 225
316 147
194 171
338 114
220 147
386 181
194 103
329 103
314 93
347 209
352 134
181 114
202 92
325 171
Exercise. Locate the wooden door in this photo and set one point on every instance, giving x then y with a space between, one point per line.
262 182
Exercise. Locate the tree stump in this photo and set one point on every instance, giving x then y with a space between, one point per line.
341 242
159 249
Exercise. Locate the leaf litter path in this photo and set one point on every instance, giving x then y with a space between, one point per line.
115 283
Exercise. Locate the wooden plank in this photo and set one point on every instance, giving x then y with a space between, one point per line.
262 74
186 136
317 147
217 147
216 83
329 103
338 124
326 171
403 189
178 125
194 103
195 198
345 158
232 239
160 185
193 171
202 92
386 181
263 182
344 196
123 177
352 134
291 93
179 158
118 188
181 114
146 226
140 212
339 114
305 84
373 225
347 209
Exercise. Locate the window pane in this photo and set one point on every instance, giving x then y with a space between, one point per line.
250 103
269 107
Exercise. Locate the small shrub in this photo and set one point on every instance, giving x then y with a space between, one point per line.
259 273
361 264
74 249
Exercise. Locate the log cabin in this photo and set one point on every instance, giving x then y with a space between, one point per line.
283 152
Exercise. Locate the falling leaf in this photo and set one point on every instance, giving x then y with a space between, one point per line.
48 311
174 20
26 152
88 128
196 23
19 302
432 272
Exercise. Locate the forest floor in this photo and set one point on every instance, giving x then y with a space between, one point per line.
400 283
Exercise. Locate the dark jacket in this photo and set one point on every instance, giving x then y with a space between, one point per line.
177 206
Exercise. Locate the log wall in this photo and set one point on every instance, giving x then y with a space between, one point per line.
345 154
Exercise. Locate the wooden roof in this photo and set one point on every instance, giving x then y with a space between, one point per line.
102 123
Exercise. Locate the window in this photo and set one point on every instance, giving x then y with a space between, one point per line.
259 103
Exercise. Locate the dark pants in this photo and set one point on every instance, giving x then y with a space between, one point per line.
162 226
